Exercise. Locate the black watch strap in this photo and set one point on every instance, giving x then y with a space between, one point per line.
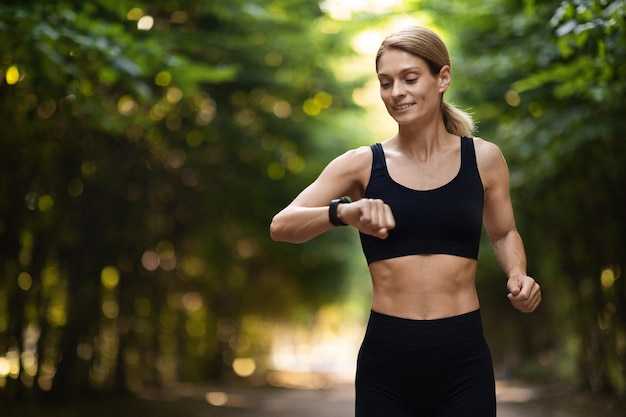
332 210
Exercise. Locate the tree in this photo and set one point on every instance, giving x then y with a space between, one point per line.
145 149
554 103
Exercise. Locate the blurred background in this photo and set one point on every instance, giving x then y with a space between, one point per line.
146 145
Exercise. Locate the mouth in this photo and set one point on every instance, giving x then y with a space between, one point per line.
404 106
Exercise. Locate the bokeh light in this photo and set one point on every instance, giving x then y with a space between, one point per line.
12 75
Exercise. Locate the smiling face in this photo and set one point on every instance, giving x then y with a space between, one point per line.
410 91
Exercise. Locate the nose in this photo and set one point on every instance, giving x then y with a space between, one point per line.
397 90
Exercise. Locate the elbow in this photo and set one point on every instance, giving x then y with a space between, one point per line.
280 232
503 236
275 231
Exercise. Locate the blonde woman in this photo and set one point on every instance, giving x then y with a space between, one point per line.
419 200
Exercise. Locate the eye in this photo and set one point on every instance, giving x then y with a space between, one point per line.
411 80
385 84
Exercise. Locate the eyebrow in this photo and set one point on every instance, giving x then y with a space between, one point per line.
404 71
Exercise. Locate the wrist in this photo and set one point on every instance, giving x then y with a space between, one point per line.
332 210
517 275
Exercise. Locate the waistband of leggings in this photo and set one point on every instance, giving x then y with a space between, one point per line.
436 332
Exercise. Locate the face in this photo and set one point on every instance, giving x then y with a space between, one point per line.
407 87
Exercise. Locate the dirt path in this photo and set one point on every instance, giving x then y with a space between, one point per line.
514 400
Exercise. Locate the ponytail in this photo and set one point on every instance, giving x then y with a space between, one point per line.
456 121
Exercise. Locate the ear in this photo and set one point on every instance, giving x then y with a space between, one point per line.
444 78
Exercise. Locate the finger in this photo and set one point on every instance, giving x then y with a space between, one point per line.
390 221
377 213
528 305
536 296
535 304
378 229
523 297
380 214
514 286
367 212
531 292
370 218
514 292
384 224
525 292
518 302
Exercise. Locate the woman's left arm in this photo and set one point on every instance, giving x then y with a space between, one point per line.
524 291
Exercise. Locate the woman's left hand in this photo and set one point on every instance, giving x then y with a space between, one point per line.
525 293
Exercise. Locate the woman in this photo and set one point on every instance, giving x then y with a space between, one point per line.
419 200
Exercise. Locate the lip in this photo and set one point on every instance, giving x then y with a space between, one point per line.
403 106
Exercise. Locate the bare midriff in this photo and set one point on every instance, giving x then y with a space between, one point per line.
424 287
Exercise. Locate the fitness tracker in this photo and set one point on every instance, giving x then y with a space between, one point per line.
332 210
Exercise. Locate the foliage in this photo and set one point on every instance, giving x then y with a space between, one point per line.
554 103
145 148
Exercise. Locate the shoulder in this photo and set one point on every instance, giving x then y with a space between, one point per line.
349 171
488 154
487 150
356 154
490 160
353 160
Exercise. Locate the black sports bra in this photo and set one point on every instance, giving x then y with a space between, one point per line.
444 220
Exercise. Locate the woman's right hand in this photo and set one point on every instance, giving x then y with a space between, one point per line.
371 216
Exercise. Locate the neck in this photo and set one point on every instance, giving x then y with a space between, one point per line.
421 139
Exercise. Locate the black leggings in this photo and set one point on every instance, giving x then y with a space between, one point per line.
425 368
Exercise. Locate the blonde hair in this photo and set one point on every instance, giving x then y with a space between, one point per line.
426 44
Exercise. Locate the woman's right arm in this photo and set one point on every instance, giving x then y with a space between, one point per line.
307 215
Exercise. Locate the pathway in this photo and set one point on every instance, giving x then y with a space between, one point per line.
514 400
